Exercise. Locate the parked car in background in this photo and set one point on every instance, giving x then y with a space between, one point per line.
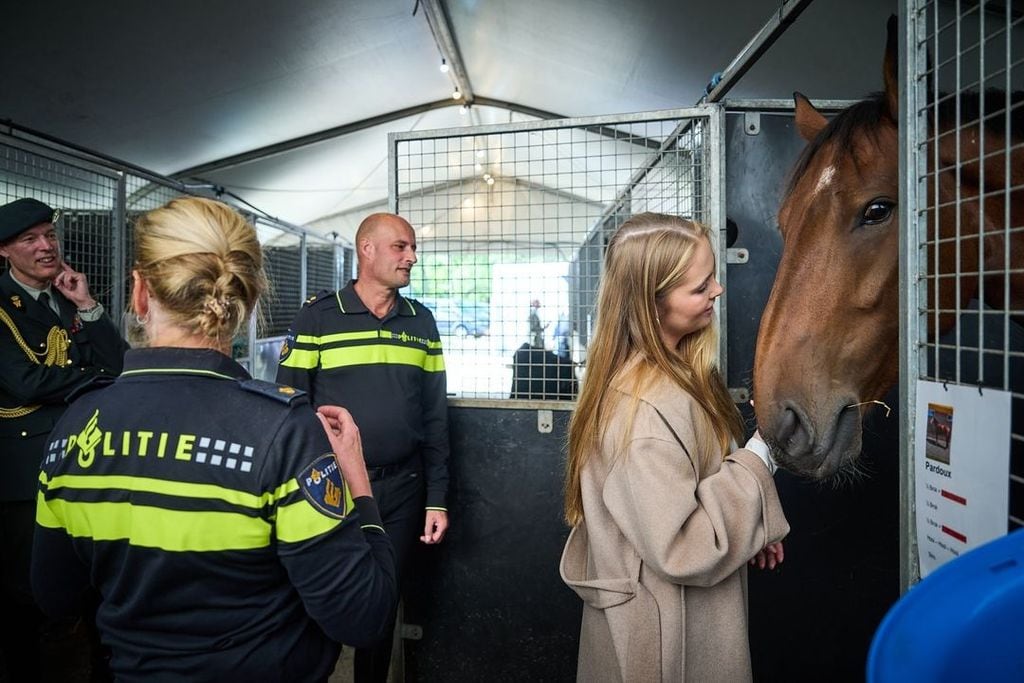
476 318
447 314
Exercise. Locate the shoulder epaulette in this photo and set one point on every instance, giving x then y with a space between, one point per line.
97 382
319 296
278 392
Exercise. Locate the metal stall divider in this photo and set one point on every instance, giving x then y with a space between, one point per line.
100 198
512 222
971 334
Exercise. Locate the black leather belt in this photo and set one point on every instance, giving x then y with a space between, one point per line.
385 471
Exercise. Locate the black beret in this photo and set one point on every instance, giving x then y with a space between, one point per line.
22 214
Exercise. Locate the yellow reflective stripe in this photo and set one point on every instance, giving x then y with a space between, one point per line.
44 516
301 358
152 527
357 336
339 337
172 488
380 354
176 371
300 521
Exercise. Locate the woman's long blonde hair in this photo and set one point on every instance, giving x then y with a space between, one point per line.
646 259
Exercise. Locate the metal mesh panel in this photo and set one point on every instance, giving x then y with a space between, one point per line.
100 202
86 197
321 267
969 152
512 223
283 265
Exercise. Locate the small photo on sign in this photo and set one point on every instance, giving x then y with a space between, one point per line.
939 433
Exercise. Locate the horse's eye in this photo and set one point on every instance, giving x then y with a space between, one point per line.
877 211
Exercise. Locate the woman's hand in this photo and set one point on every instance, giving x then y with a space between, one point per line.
770 556
343 434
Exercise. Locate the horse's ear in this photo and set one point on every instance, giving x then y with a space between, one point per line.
809 120
890 69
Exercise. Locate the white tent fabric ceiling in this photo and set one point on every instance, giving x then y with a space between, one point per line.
185 85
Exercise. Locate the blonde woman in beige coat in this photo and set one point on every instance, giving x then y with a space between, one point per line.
666 511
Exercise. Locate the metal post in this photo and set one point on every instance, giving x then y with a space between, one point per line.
121 266
303 266
758 45
714 196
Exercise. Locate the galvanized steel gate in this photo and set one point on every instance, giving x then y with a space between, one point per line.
954 50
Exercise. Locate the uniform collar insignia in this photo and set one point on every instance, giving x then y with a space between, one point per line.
16 300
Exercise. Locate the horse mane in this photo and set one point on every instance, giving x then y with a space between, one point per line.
865 117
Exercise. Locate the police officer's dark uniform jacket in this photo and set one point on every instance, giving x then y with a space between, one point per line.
389 373
43 358
208 510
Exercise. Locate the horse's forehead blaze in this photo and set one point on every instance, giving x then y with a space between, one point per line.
825 179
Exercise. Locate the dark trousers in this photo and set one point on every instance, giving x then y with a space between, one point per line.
20 619
400 495
33 647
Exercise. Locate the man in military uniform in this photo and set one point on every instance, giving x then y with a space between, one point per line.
54 337
378 354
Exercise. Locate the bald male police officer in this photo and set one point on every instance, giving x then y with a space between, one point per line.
54 337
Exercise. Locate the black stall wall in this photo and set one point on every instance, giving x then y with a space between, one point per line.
489 598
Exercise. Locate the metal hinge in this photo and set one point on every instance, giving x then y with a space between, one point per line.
412 632
752 122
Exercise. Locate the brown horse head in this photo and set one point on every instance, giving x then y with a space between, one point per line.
829 334
829 337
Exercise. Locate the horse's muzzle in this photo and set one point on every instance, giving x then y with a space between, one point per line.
814 448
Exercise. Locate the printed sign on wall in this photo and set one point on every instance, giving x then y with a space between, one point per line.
961 468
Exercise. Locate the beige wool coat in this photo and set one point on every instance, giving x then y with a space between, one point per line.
660 559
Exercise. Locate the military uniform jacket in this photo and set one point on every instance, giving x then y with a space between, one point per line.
208 511
94 348
388 373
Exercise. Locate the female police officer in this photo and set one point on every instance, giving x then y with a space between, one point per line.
205 506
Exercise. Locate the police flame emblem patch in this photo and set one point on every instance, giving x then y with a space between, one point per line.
323 486
286 346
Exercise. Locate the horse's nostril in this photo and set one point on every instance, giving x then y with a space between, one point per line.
793 434
786 425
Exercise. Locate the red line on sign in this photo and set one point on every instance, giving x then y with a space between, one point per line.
953 497
955 534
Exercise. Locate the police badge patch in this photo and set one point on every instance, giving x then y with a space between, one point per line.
286 346
324 487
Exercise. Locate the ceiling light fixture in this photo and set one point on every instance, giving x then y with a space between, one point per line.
444 66
457 95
